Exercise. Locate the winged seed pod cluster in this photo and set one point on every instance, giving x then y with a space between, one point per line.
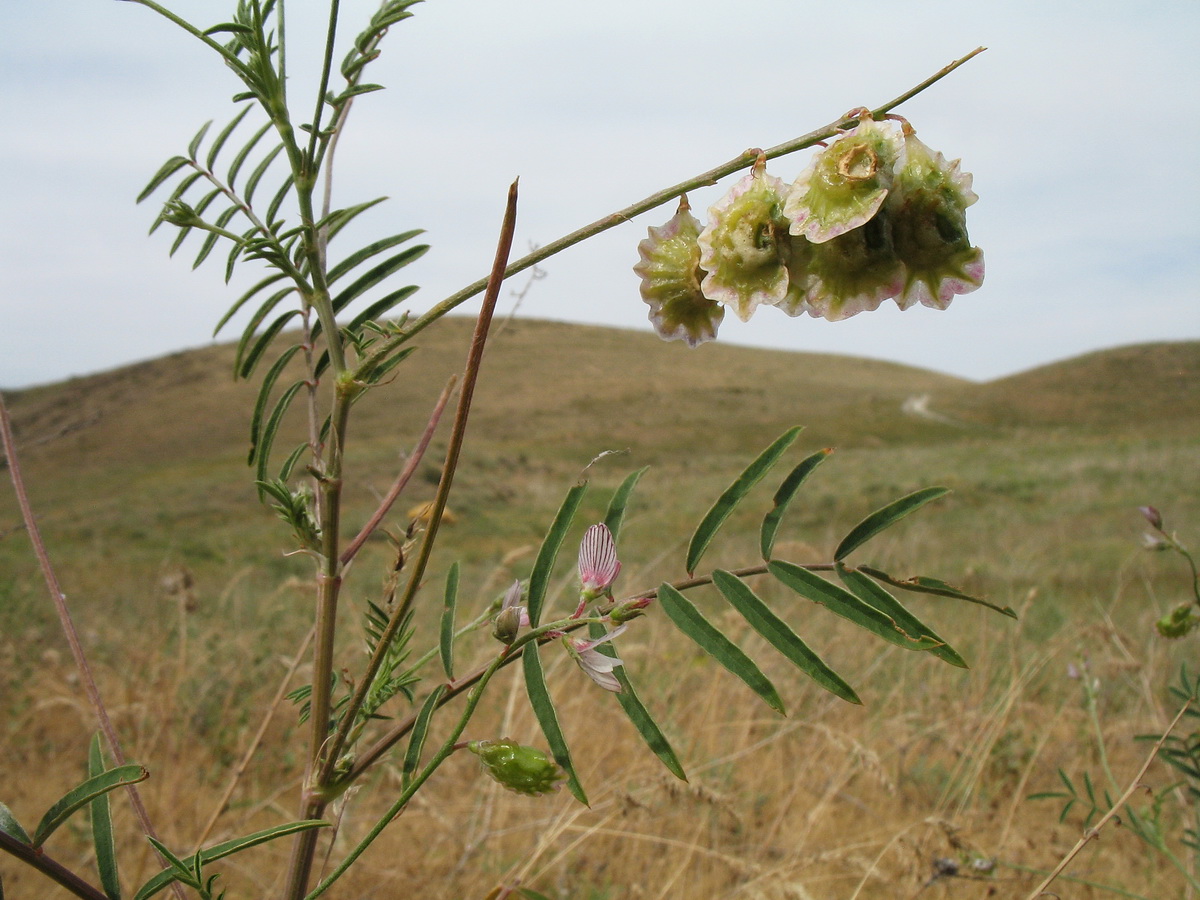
876 216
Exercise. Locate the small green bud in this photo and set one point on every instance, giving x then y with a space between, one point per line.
1178 622
506 625
522 769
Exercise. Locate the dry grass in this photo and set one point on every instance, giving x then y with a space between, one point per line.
833 802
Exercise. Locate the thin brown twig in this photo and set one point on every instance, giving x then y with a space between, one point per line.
68 626
453 451
1094 831
402 479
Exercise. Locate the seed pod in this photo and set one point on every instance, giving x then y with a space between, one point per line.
741 247
846 184
524 770
854 272
670 275
928 209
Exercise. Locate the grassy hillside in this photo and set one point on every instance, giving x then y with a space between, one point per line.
189 607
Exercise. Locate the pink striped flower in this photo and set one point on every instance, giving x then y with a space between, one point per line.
596 665
598 564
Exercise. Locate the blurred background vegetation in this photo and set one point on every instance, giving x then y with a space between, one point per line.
191 610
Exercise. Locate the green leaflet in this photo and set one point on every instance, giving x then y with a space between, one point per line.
783 498
885 517
82 795
446 632
615 516
636 710
921 584
543 709
734 494
539 579
182 867
420 729
780 635
846 605
688 619
866 589
102 830
10 826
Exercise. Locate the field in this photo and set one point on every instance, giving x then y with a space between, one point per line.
192 615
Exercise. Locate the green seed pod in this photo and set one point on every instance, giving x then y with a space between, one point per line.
846 184
854 272
928 209
670 275
742 247
524 770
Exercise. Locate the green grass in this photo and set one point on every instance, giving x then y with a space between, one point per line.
138 475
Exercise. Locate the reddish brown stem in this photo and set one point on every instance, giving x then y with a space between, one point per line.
68 626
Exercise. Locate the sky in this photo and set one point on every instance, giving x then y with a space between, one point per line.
1080 124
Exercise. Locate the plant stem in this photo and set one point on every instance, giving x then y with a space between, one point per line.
325 758
1094 831
68 626
448 747
49 867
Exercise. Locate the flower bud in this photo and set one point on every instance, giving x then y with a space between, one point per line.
524 770
507 624
630 609
1151 515
670 273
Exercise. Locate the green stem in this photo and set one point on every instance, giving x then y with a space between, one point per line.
659 198
448 747
457 437
329 581
326 68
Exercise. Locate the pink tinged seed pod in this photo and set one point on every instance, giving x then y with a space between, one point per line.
928 209
596 665
670 273
854 272
741 247
798 254
846 184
